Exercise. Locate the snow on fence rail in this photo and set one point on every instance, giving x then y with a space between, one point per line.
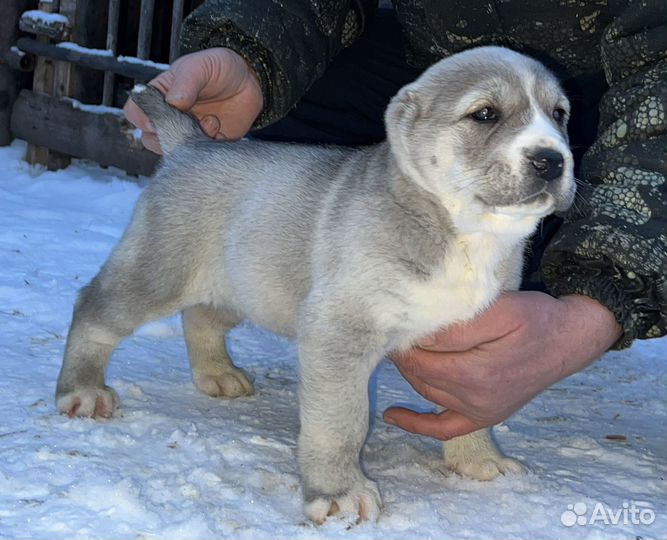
102 59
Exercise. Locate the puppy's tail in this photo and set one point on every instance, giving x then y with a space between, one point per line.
172 126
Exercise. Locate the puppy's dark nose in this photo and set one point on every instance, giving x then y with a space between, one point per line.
548 163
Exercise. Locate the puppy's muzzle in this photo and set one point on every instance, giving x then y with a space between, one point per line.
546 163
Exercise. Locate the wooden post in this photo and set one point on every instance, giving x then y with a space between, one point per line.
43 81
9 79
112 38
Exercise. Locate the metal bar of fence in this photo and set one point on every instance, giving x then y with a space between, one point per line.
145 28
127 67
112 39
176 22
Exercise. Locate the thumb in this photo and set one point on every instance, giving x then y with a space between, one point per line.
190 78
444 426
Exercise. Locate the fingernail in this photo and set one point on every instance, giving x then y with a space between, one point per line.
390 420
428 341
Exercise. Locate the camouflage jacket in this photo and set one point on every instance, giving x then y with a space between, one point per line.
613 245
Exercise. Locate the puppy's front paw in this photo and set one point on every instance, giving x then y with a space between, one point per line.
229 384
97 403
363 501
487 469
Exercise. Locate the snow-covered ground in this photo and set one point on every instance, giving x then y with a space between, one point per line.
178 464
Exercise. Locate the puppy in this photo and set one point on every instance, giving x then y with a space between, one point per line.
351 252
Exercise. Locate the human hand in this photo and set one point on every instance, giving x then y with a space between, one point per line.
485 370
215 85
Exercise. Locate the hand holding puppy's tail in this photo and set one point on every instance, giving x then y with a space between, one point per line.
172 126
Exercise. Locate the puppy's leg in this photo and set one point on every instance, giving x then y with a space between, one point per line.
81 390
105 312
477 456
212 370
143 279
335 362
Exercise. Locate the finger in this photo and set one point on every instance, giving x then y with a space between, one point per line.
455 424
151 142
463 337
136 116
189 78
163 81
443 426
443 391
450 370
210 125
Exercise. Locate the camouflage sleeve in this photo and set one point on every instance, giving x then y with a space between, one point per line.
288 44
613 245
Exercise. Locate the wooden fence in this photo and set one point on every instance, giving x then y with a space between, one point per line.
66 67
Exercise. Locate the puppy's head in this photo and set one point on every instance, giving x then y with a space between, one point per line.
485 131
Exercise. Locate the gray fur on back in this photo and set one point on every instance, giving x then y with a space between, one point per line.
265 232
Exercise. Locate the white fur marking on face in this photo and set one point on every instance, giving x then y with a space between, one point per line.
539 133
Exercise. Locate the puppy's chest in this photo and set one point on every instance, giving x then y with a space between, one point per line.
461 286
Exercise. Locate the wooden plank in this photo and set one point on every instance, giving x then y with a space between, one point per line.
145 29
111 43
176 23
42 120
63 79
91 32
126 67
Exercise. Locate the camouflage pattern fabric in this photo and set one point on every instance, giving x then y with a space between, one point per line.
613 245
288 44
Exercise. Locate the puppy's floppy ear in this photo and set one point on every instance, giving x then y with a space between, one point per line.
400 118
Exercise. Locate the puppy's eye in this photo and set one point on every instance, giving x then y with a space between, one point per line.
559 115
485 114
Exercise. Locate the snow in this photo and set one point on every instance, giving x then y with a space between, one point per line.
96 109
106 52
83 50
45 18
143 62
15 50
178 464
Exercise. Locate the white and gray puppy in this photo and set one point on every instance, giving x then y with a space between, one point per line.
352 252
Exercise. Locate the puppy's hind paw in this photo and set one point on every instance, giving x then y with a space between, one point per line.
229 384
362 501
97 403
487 469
